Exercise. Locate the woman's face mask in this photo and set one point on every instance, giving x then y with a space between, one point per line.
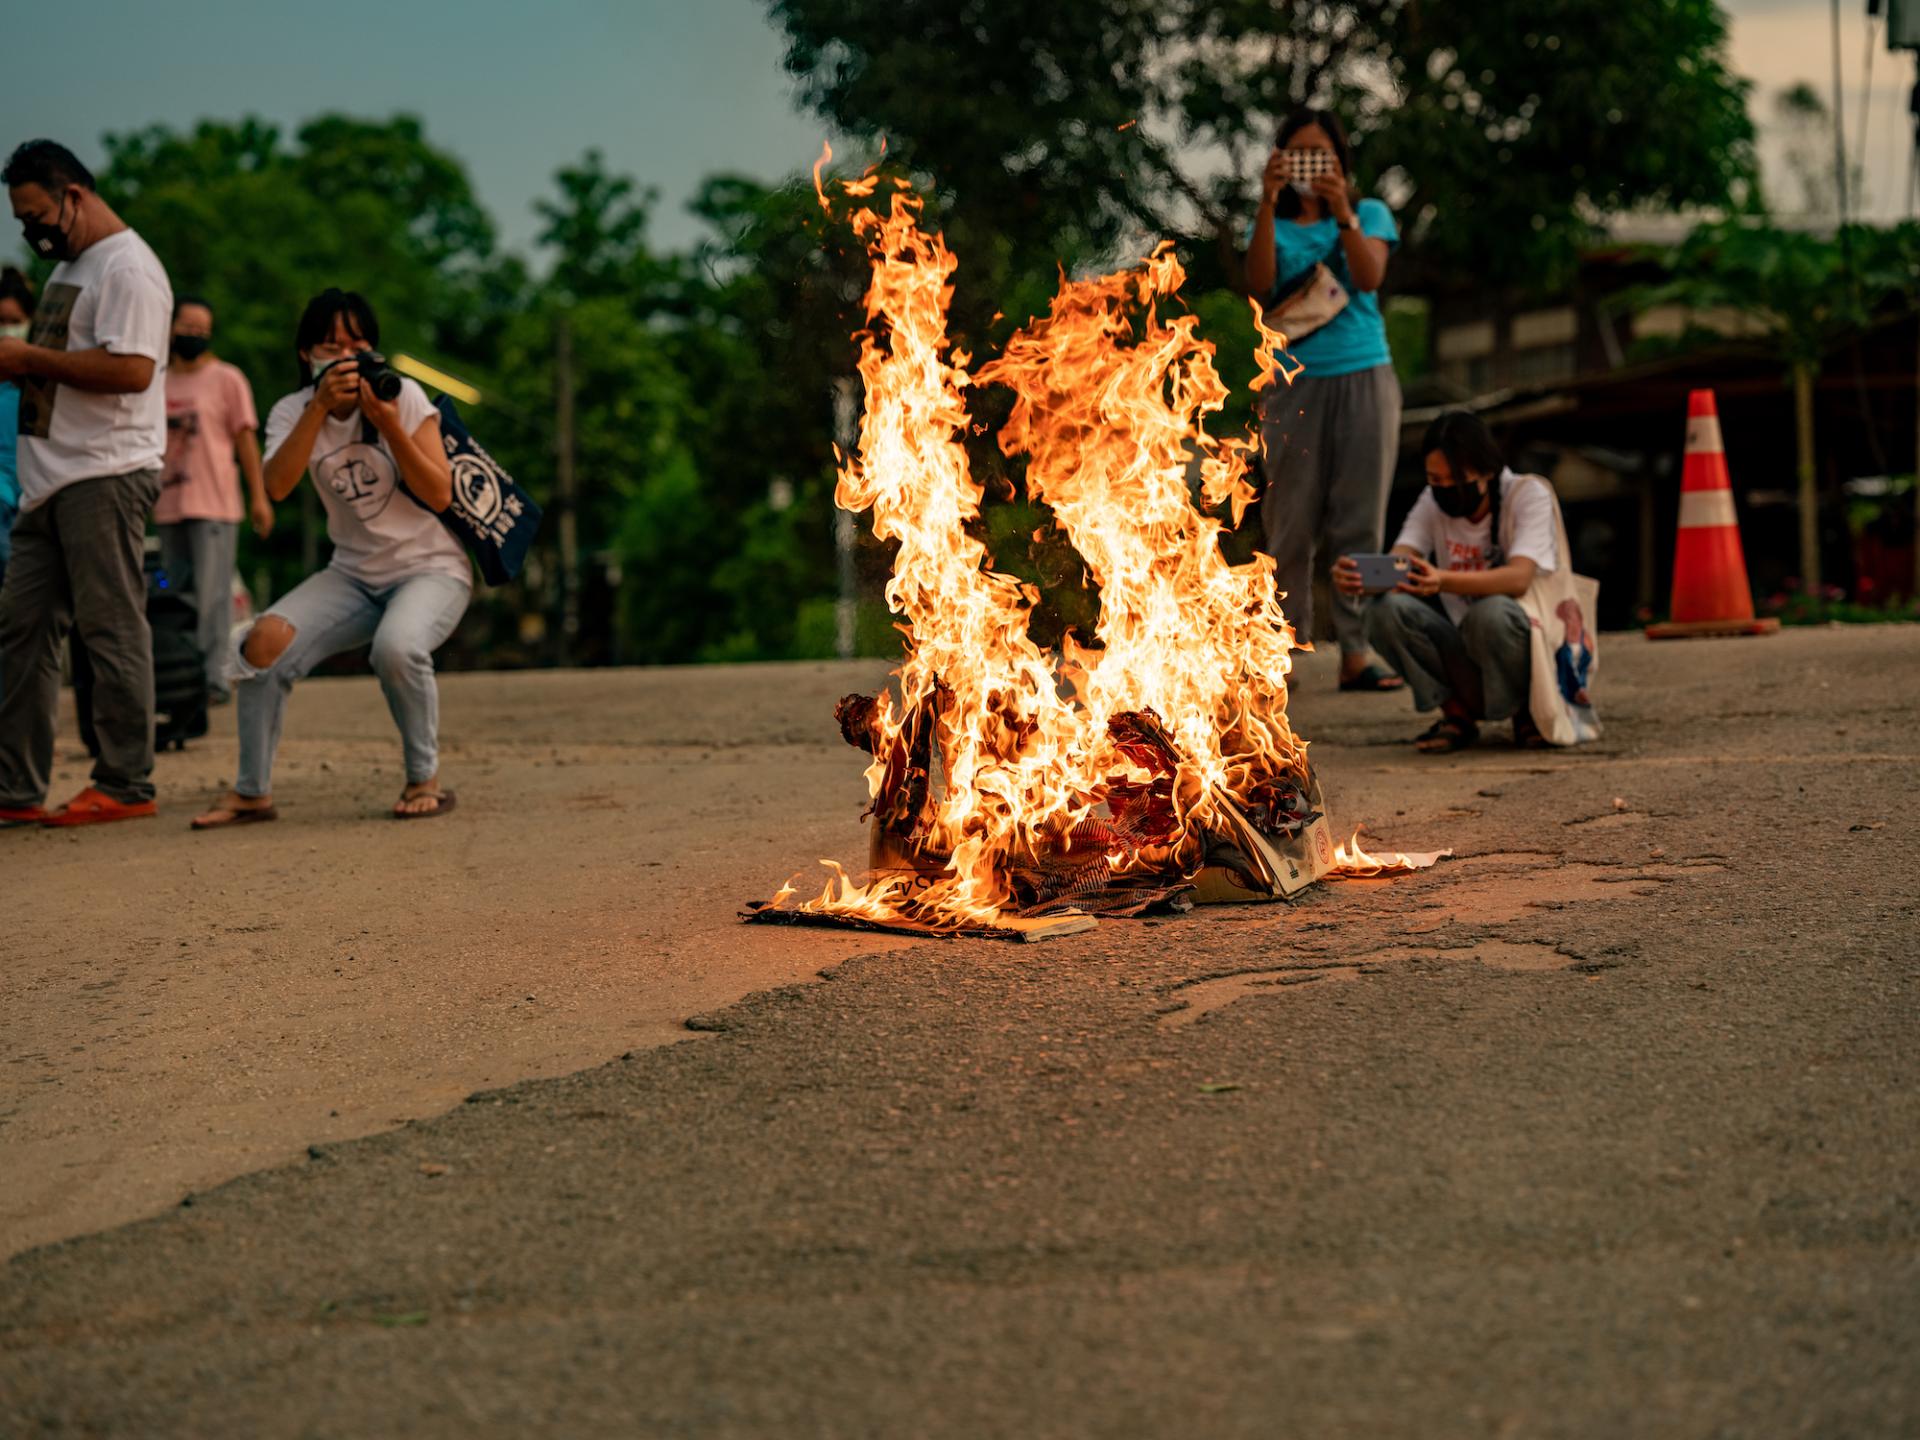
1459 500
1455 492
15 331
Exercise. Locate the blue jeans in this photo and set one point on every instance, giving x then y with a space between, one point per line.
331 612
1485 662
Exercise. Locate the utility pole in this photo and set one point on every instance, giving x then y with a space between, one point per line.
563 490
1903 33
846 609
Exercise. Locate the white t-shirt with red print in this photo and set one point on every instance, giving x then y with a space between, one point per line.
1526 531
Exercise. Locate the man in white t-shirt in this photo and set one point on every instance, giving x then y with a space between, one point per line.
1475 539
93 432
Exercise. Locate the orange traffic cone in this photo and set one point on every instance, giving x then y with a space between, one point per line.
1710 592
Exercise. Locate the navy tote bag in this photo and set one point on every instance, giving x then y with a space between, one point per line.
491 516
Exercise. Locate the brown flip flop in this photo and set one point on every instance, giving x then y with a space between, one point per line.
446 798
249 816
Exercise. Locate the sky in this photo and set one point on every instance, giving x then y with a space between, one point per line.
669 90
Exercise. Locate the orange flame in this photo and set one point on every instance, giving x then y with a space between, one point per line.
1350 862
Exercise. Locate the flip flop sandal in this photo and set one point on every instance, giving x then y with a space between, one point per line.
1527 736
1374 678
1446 736
249 816
90 807
446 798
20 816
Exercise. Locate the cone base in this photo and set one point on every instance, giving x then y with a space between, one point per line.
1707 629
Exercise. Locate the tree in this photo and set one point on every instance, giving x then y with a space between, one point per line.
1500 131
1810 293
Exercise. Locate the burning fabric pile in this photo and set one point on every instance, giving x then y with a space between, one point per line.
1012 787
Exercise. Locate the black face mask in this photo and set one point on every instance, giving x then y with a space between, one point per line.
48 241
191 347
1458 500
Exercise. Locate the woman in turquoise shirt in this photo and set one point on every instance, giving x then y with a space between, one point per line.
1330 438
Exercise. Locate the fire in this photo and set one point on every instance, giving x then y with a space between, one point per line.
1005 778
1350 862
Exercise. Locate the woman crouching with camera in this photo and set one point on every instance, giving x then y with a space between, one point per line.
398 580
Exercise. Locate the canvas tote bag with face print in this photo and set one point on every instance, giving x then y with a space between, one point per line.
1562 608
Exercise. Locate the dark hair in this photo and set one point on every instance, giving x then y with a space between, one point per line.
14 285
316 324
1287 204
48 164
1464 439
180 302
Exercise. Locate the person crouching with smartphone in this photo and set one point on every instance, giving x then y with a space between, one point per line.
398 579
1476 539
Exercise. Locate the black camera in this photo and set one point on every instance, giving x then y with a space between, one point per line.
374 372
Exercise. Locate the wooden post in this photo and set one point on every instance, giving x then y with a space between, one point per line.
1809 486
846 610
1649 532
563 490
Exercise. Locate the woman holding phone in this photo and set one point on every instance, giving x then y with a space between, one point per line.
1474 544
1330 438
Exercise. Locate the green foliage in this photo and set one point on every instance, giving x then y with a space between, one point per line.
1498 128
1809 292
1831 607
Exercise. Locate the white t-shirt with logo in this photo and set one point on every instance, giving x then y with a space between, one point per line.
380 536
113 296
1526 531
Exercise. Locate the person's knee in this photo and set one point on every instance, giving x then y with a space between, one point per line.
1387 615
267 641
396 660
1494 620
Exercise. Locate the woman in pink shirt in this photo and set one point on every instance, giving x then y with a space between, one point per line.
210 425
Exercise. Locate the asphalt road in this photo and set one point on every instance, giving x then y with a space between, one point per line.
1604 1127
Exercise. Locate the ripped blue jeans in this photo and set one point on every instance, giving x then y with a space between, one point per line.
331 612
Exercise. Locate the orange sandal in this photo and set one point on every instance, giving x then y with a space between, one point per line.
90 807
15 816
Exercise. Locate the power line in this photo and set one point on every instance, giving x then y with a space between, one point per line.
1839 123
1866 103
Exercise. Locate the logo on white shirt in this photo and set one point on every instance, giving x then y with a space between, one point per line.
360 475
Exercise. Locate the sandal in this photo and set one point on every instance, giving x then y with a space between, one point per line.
1526 734
18 817
444 801
90 807
1374 678
1443 737
221 816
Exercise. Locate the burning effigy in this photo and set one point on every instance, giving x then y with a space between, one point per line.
1016 791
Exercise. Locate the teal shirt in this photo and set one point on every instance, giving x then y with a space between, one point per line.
9 443
1356 338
